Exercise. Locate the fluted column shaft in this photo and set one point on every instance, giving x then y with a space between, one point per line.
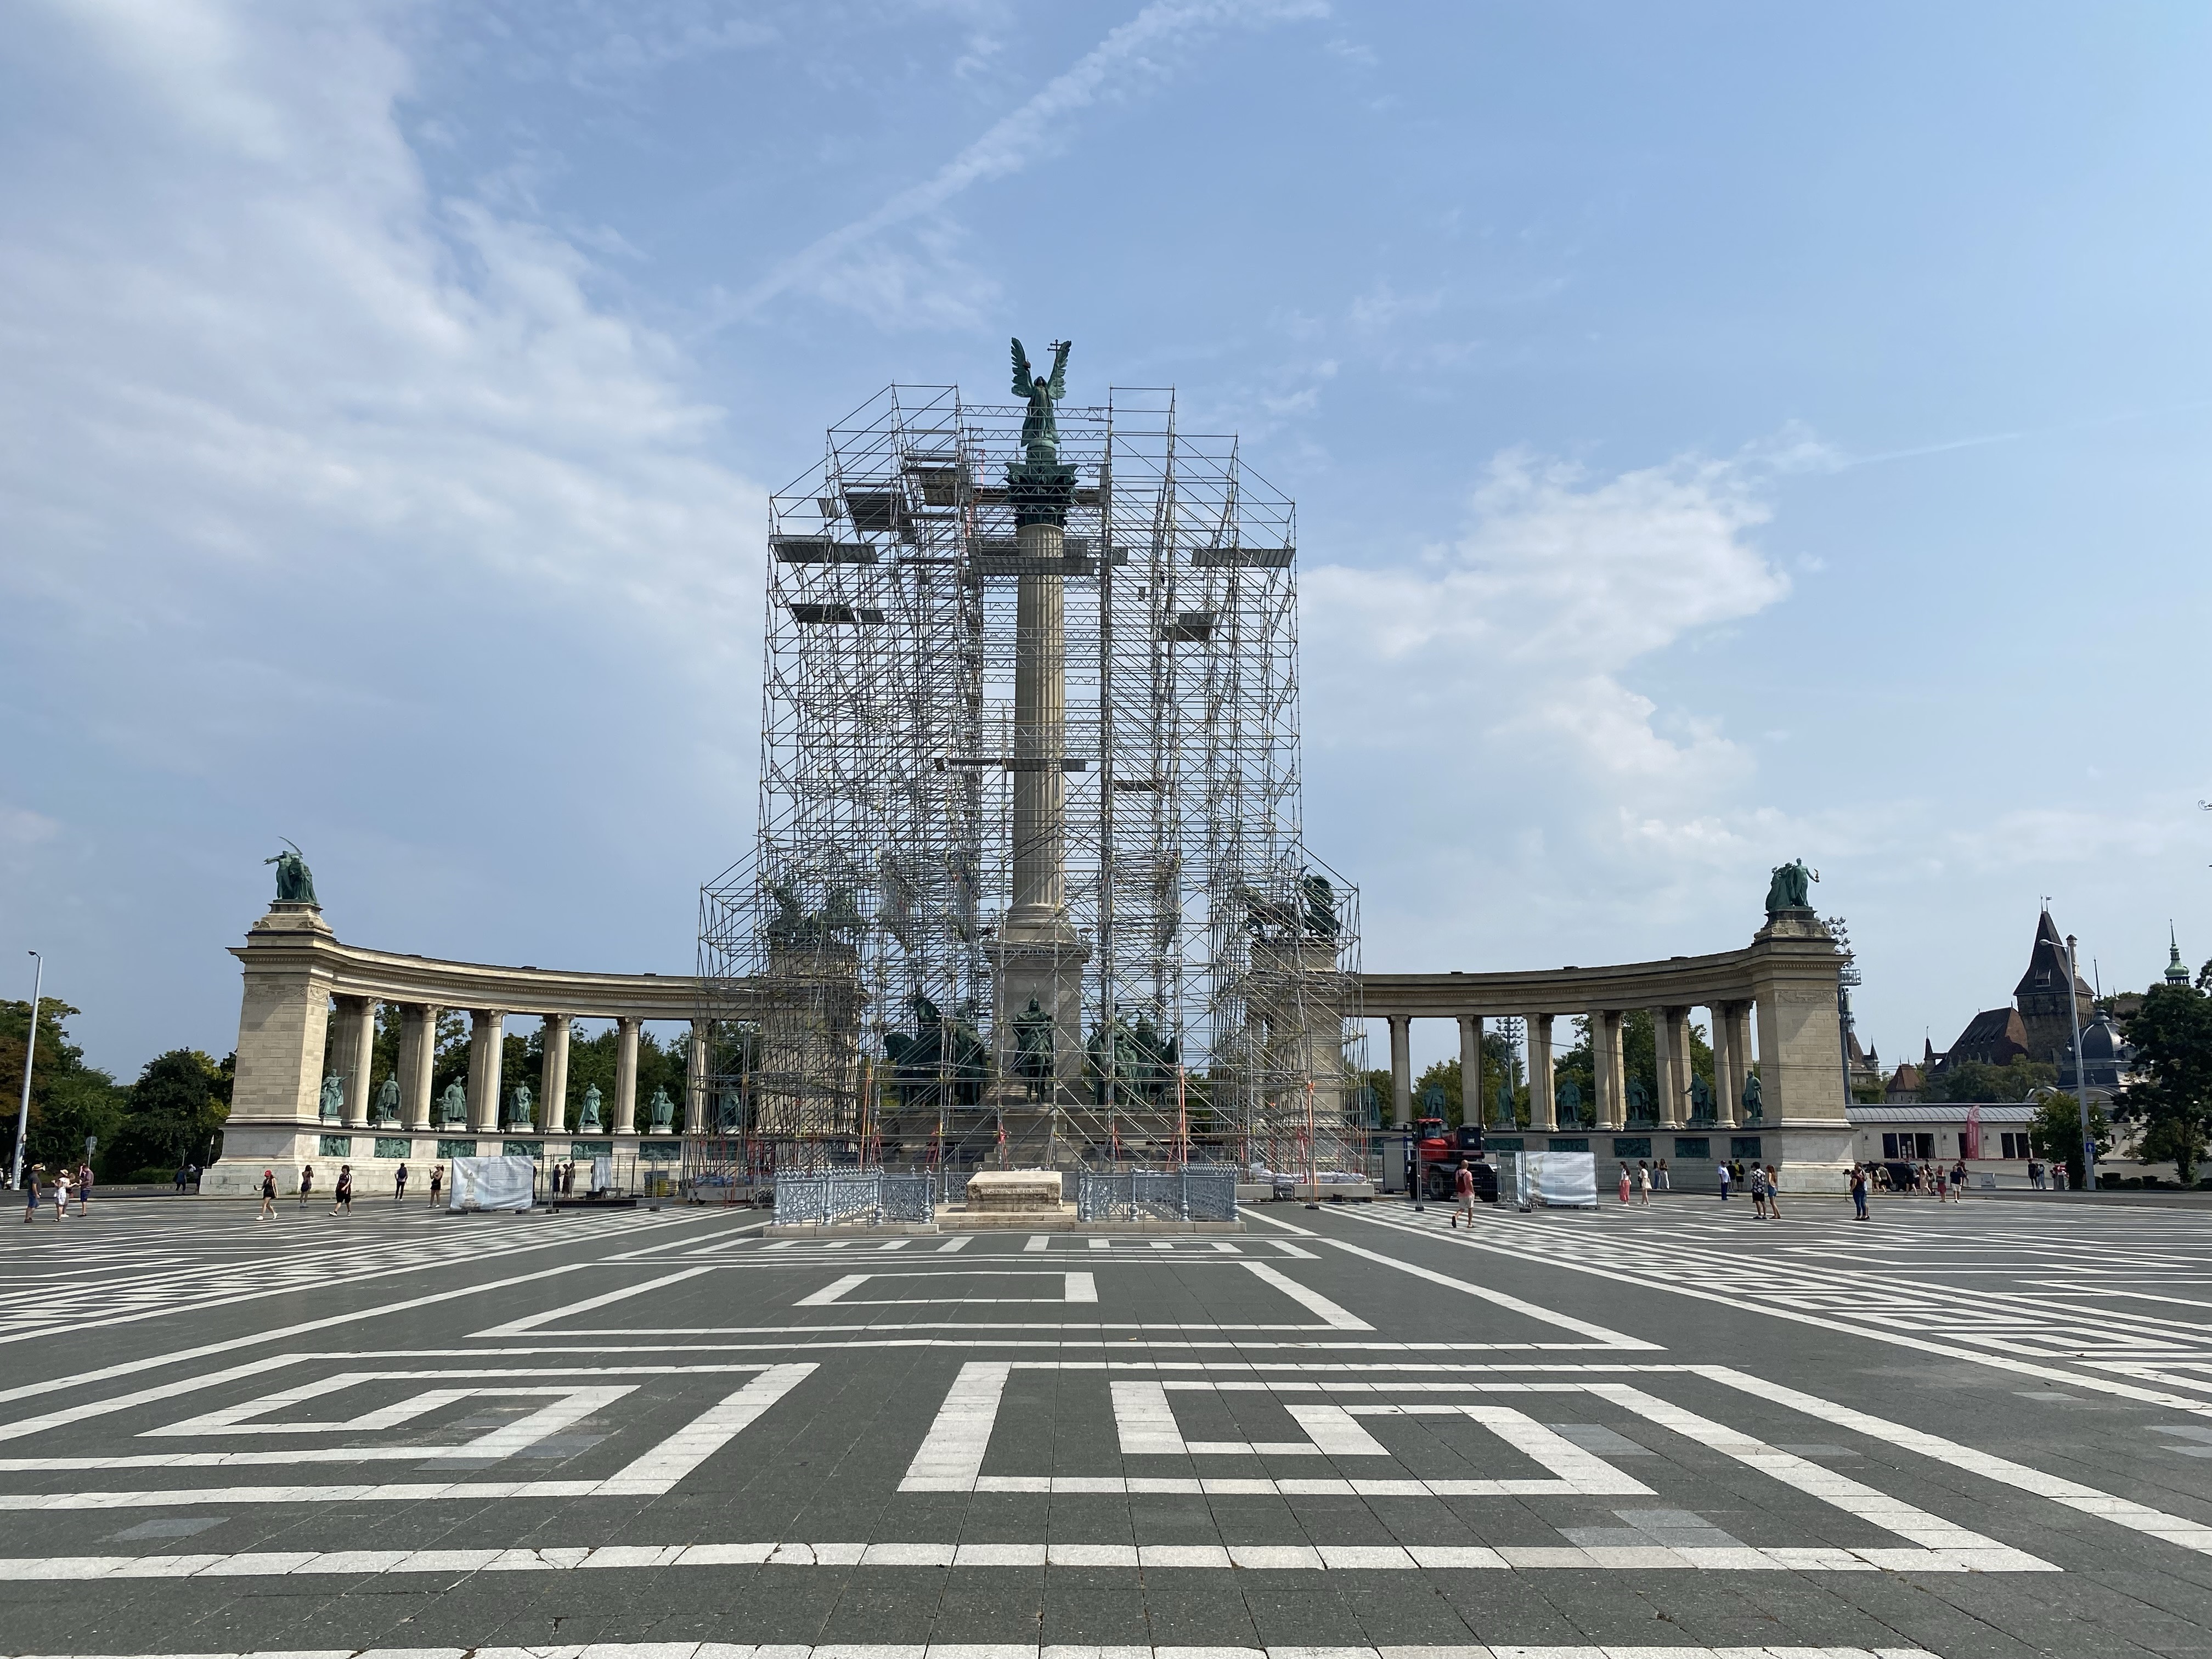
356 1018
553 1076
1401 1070
418 1060
1040 791
1610 1077
486 1031
1542 1111
695 1079
1472 1107
626 1030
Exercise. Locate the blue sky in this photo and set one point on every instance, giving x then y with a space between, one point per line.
1721 432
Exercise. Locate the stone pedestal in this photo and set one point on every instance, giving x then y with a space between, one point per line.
1004 1192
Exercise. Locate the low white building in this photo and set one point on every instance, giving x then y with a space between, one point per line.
1926 1132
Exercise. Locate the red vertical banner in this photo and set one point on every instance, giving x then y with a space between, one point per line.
1972 1138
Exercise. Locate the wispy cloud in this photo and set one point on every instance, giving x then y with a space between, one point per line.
1142 52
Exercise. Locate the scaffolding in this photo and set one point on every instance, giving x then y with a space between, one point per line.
853 962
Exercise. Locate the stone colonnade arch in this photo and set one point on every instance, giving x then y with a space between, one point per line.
1785 983
294 967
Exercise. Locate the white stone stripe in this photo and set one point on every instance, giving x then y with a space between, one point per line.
1009 1651
831 1291
951 1458
1080 1287
2121 1511
1335 1317
532 1321
1250 1558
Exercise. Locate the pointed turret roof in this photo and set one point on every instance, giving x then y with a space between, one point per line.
2047 964
2175 973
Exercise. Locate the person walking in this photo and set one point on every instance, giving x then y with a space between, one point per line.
1959 1178
437 1180
1942 1185
1642 1185
268 1196
399 1186
1463 1196
31 1194
343 1196
1661 1181
2035 1175
61 1194
1724 1175
1624 1183
1773 1194
1758 1194
1858 1192
180 1177
307 1182
83 1190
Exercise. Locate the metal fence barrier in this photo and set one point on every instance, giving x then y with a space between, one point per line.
853 1197
1207 1193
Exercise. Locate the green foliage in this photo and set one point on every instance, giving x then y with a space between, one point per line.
2055 1132
2171 1031
172 1112
1975 1081
1639 1056
70 1099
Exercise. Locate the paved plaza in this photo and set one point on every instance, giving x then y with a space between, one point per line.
1979 1429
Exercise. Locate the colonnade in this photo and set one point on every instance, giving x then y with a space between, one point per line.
1730 1023
352 1027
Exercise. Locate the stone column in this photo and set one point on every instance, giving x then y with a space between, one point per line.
1040 897
1724 1064
553 1077
1611 1076
487 1028
626 1076
356 1023
1543 1112
1401 1070
1470 1071
1739 1049
418 1060
695 1079
1674 1065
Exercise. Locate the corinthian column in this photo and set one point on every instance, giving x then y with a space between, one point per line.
486 1027
1040 893
553 1077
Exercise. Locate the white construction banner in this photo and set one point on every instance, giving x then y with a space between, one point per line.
1563 1180
493 1183
603 1174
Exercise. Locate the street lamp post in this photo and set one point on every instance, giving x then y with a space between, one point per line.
30 1049
2080 1074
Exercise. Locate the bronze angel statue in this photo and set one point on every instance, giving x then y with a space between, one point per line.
1040 432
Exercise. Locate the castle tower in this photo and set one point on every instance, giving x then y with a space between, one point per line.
2041 998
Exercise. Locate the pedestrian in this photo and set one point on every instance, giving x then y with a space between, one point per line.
1942 1185
1724 1182
1758 1194
568 1179
1463 1195
437 1180
1624 1183
2035 1175
31 1194
1773 1194
1959 1179
344 1194
399 1185
83 1190
180 1177
1642 1185
61 1194
1858 1192
1661 1179
307 1182
268 1196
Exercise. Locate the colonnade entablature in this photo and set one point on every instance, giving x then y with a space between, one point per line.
304 1072
1773 1005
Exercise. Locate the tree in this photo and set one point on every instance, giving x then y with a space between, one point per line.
1973 1080
171 1112
2172 1094
69 1100
2055 1132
